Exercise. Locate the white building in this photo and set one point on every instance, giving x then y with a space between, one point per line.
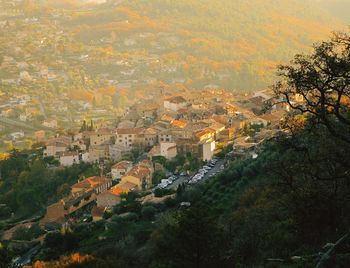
168 150
67 159
17 135
101 136
128 137
207 150
56 146
175 103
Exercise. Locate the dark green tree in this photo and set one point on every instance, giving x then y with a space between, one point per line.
193 240
5 256
83 127
318 85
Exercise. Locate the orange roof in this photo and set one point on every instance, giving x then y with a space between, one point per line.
179 124
122 165
167 118
127 186
91 182
129 130
139 171
150 131
146 162
116 190
203 132
216 126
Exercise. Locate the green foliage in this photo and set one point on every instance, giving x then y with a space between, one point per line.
5 256
135 154
193 163
28 182
148 212
5 211
180 190
193 240
57 243
23 233
129 203
162 192
158 175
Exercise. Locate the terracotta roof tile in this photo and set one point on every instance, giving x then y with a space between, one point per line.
122 165
129 130
91 182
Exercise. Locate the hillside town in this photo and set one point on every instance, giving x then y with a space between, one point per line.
174 134
197 124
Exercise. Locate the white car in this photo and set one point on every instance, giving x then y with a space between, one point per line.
172 178
162 185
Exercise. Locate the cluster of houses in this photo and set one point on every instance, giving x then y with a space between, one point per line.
99 190
174 125
192 124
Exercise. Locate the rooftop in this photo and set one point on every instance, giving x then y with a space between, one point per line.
91 182
139 171
177 99
129 130
122 165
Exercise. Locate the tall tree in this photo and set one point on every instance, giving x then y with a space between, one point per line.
319 85
194 240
